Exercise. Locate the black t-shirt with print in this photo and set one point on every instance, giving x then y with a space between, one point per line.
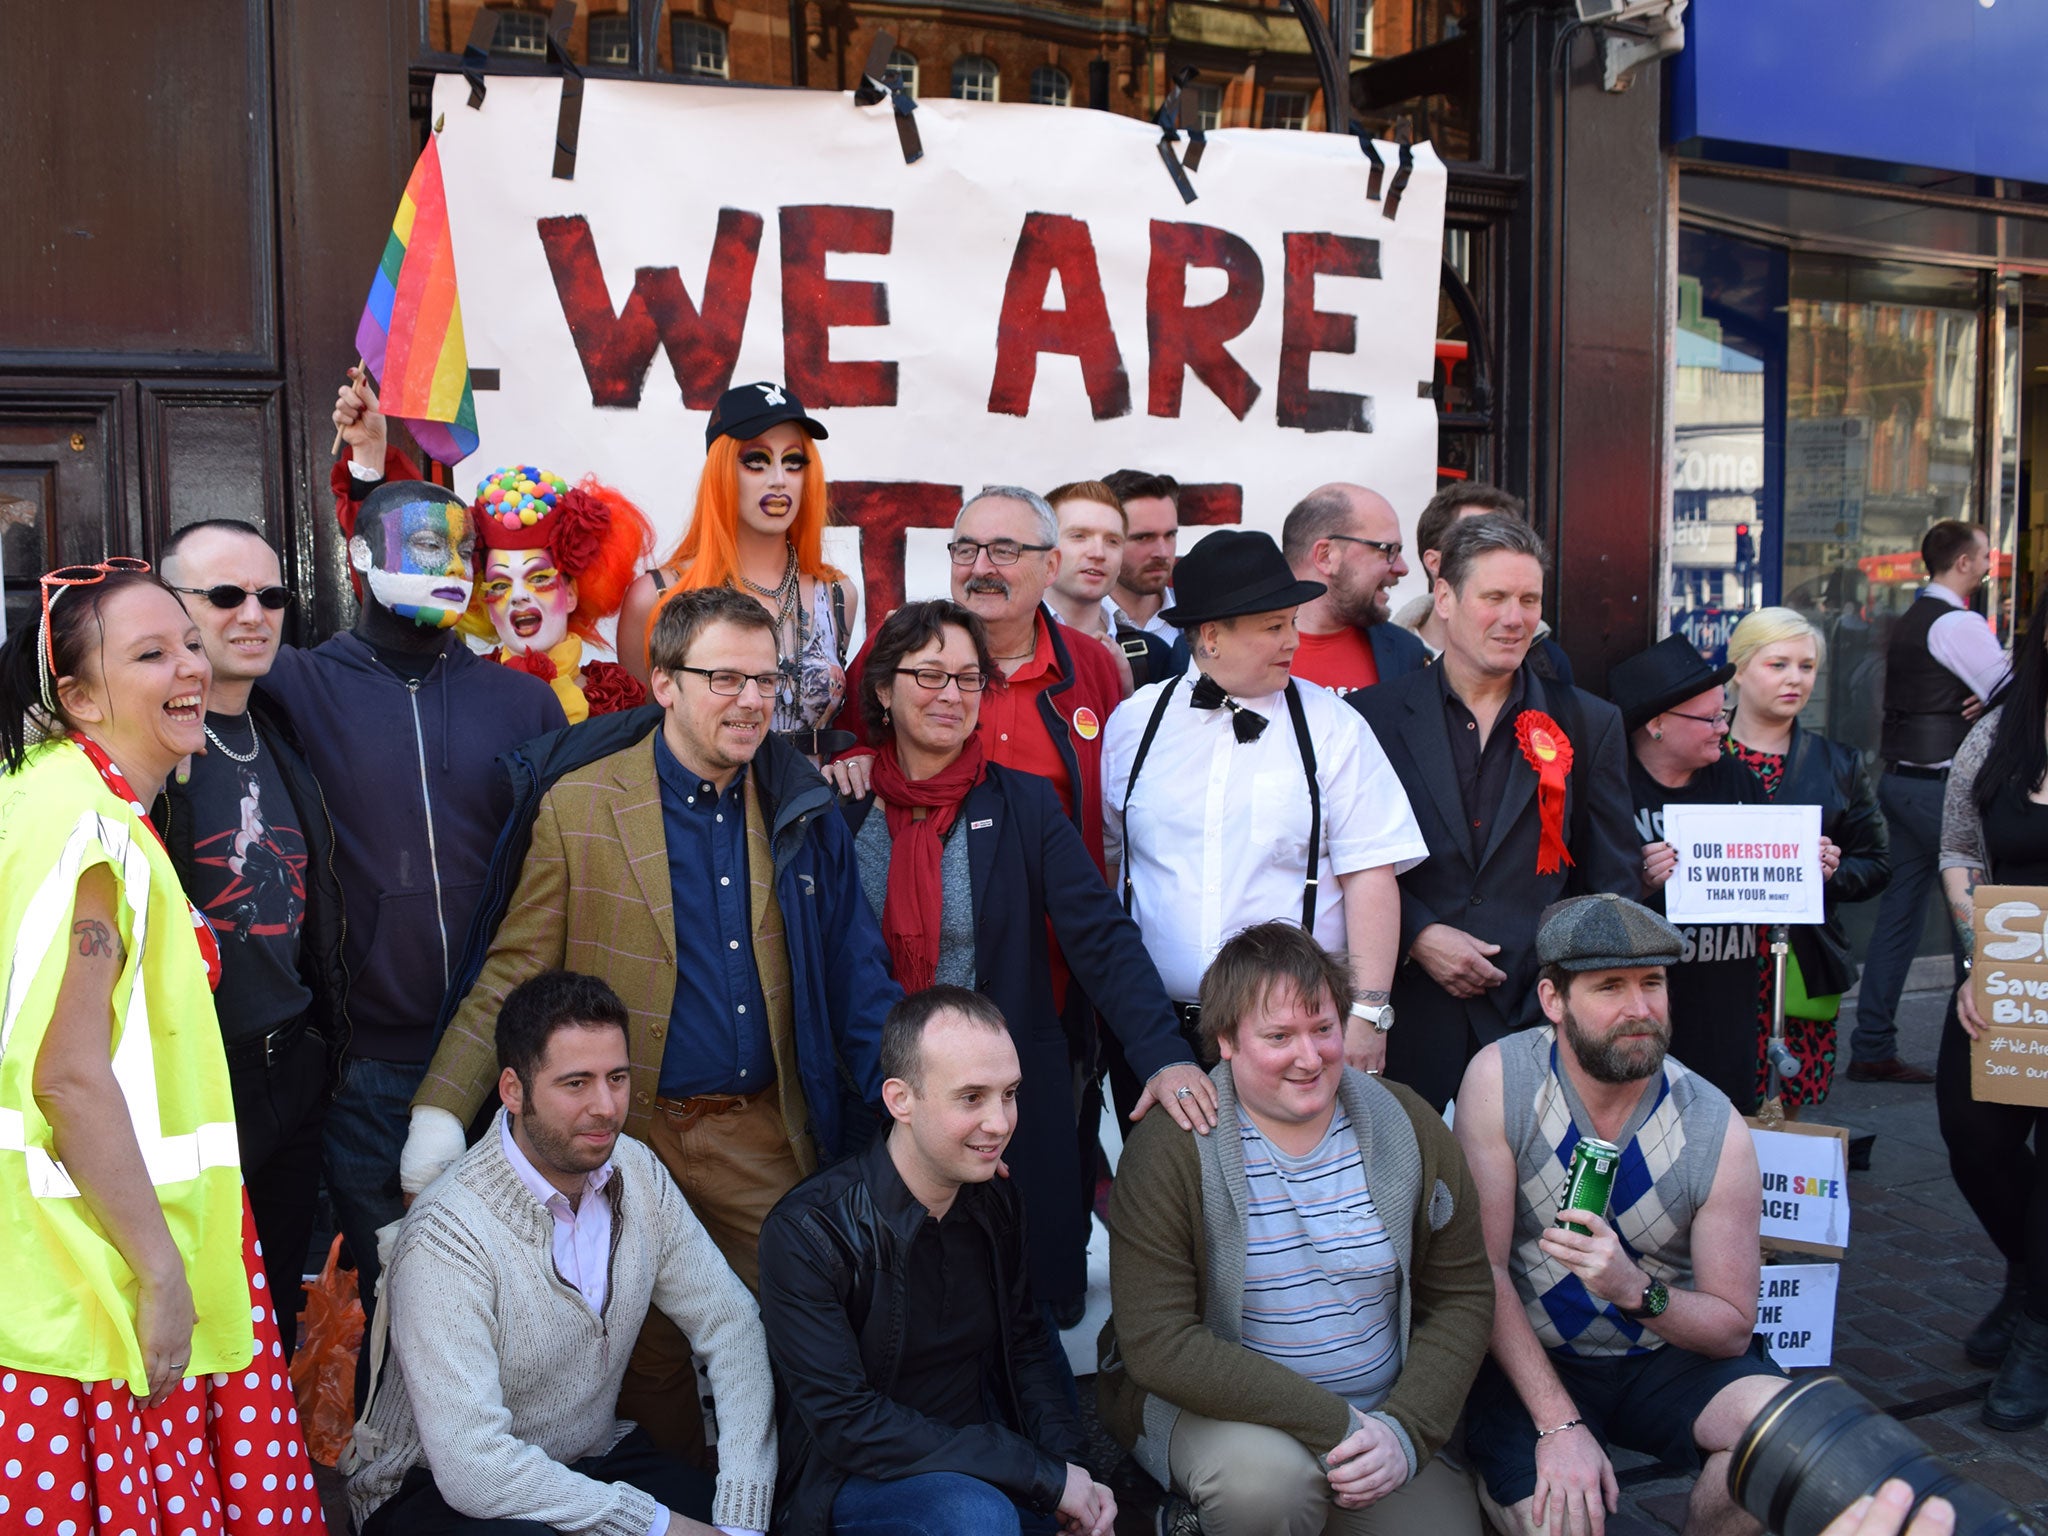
249 878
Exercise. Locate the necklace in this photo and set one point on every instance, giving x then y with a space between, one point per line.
255 744
789 637
789 575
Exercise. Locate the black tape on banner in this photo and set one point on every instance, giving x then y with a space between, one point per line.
1372 152
1401 175
569 118
1168 119
476 53
906 122
1185 187
872 74
879 82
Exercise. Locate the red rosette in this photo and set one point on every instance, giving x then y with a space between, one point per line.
576 531
532 663
1547 749
610 688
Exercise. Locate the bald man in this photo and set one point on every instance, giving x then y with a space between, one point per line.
1348 538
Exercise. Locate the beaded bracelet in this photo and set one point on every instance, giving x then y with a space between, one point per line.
1544 1434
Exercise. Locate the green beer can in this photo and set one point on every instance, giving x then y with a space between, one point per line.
1592 1180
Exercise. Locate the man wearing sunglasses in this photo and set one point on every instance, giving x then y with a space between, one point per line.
248 831
701 871
1349 539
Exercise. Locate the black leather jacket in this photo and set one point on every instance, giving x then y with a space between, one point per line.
320 934
833 1278
1825 773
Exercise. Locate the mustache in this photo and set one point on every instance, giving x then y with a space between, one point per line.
995 586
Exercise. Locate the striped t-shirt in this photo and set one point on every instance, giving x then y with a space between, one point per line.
1321 1280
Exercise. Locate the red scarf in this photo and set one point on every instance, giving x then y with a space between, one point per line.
119 787
910 912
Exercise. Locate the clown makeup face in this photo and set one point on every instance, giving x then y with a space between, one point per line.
529 600
417 560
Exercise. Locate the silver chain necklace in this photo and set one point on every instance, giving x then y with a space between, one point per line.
255 744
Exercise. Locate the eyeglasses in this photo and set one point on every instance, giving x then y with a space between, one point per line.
55 584
730 685
232 597
1000 551
934 679
1391 551
1716 721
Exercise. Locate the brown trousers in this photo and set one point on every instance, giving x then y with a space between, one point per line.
732 1164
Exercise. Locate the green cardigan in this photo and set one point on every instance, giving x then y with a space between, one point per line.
1176 1264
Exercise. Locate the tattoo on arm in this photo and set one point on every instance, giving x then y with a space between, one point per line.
95 940
1374 999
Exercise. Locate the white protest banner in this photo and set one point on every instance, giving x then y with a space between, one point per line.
1795 1312
1030 303
1744 864
1806 1187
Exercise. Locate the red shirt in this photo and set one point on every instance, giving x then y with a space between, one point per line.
1342 661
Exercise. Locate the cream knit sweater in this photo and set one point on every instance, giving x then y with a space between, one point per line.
499 1374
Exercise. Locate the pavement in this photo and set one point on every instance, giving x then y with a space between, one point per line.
1919 1273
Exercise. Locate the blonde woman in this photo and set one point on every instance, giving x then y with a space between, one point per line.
1777 655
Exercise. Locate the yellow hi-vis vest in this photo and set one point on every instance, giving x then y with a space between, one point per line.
70 1296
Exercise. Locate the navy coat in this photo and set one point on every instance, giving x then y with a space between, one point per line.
1026 863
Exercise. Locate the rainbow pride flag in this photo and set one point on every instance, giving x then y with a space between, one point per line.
410 336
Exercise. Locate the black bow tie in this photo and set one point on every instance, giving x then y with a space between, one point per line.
1209 694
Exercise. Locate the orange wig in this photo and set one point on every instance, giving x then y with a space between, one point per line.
708 555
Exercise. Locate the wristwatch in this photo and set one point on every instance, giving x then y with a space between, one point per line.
1655 1299
1380 1018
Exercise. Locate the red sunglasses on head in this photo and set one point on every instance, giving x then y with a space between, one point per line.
55 583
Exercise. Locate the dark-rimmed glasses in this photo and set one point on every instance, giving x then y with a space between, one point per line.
730 684
1719 722
230 597
934 679
1391 551
1000 551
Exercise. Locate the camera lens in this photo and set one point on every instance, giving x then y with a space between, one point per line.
1820 1446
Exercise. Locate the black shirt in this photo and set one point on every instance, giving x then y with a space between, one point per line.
1482 772
1713 988
249 878
950 1301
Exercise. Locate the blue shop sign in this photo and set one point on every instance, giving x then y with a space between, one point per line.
1959 85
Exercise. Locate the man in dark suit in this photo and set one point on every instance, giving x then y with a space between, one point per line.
1349 539
1520 785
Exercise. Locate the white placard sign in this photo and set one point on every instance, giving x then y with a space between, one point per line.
1029 303
1806 1186
1744 864
1795 1312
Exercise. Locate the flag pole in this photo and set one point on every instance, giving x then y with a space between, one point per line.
356 375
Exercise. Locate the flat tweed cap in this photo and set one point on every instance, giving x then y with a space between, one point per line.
1604 933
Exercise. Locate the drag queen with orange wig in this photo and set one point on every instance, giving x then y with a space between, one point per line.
553 559
759 528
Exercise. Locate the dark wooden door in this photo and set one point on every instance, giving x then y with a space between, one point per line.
66 492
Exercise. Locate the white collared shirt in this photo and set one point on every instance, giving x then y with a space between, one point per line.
1152 626
1218 833
1963 642
583 1233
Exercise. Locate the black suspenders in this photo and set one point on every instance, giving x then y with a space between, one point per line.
1308 768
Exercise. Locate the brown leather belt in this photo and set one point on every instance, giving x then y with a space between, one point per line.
684 1113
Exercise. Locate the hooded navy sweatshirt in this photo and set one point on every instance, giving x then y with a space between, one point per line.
412 783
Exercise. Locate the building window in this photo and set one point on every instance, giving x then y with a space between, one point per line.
1050 87
610 41
1285 109
975 78
1361 30
1207 101
905 65
699 48
520 35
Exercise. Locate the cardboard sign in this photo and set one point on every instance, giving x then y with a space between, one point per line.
1795 1312
1030 303
1744 864
2009 983
1806 1187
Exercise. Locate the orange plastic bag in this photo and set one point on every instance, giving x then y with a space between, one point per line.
324 1369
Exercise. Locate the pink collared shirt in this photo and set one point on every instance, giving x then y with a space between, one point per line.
583 1233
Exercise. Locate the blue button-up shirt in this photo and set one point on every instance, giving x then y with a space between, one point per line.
718 1023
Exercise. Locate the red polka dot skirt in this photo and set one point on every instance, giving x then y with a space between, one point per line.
222 1456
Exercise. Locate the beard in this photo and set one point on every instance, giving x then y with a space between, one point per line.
1614 1060
556 1145
1361 607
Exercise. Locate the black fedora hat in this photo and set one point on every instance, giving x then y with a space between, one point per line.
1232 572
1668 673
751 409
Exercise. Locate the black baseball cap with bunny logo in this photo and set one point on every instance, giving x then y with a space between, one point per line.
751 409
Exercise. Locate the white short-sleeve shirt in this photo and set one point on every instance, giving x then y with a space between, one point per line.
1218 830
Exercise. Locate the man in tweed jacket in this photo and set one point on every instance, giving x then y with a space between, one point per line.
704 874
